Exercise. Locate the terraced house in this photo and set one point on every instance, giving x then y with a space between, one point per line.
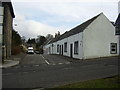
6 22
92 39
117 25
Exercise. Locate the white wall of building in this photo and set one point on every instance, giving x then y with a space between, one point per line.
97 38
71 40
94 41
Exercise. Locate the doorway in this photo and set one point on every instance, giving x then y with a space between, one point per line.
62 49
71 50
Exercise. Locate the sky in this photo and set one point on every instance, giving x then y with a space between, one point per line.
42 17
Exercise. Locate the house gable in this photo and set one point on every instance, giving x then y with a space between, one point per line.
97 38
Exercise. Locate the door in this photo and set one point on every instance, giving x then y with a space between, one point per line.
62 49
71 50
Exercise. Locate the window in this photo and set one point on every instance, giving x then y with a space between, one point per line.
117 31
113 48
65 47
76 47
49 50
58 48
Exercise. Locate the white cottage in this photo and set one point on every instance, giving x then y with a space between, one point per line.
92 39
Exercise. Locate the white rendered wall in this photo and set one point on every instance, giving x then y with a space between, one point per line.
71 40
97 38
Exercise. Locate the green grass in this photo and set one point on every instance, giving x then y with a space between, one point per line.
110 82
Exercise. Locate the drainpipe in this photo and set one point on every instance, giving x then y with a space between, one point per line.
82 48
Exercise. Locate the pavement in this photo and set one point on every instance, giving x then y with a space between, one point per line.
12 61
9 63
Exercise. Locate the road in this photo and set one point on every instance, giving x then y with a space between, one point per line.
45 71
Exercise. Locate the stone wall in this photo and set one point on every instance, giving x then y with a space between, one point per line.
1 30
7 30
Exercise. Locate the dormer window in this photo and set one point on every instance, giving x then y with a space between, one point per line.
117 30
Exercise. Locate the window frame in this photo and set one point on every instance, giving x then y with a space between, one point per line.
58 48
76 47
115 47
117 30
65 47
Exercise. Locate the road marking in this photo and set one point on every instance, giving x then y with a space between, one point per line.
42 57
25 72
47 62
67 63
34 71
36 65
60 63
53 64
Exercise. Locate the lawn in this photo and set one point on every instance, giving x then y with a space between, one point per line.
110 82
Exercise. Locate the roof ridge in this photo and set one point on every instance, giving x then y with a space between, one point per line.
77 29
81 26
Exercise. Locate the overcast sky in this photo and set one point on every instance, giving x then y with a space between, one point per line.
42 17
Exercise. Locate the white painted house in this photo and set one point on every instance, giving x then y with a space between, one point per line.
92 39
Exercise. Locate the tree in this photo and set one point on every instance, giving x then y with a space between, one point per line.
16 39
40 41
16 42
57 34
49 37
31 41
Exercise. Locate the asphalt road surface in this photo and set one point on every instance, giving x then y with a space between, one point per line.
46 71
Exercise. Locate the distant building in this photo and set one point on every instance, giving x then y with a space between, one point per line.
7 28
92 39
117 24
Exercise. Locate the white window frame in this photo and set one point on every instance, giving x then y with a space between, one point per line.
113 48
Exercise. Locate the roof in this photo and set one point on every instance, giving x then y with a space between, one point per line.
117 23
54 39
78 29
10 5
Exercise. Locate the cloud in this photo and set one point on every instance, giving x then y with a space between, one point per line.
64 1
43 17
31 28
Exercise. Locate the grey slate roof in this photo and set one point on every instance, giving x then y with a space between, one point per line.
75 30
78 29
117 23
54 39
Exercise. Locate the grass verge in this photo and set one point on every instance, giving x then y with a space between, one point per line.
110 82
